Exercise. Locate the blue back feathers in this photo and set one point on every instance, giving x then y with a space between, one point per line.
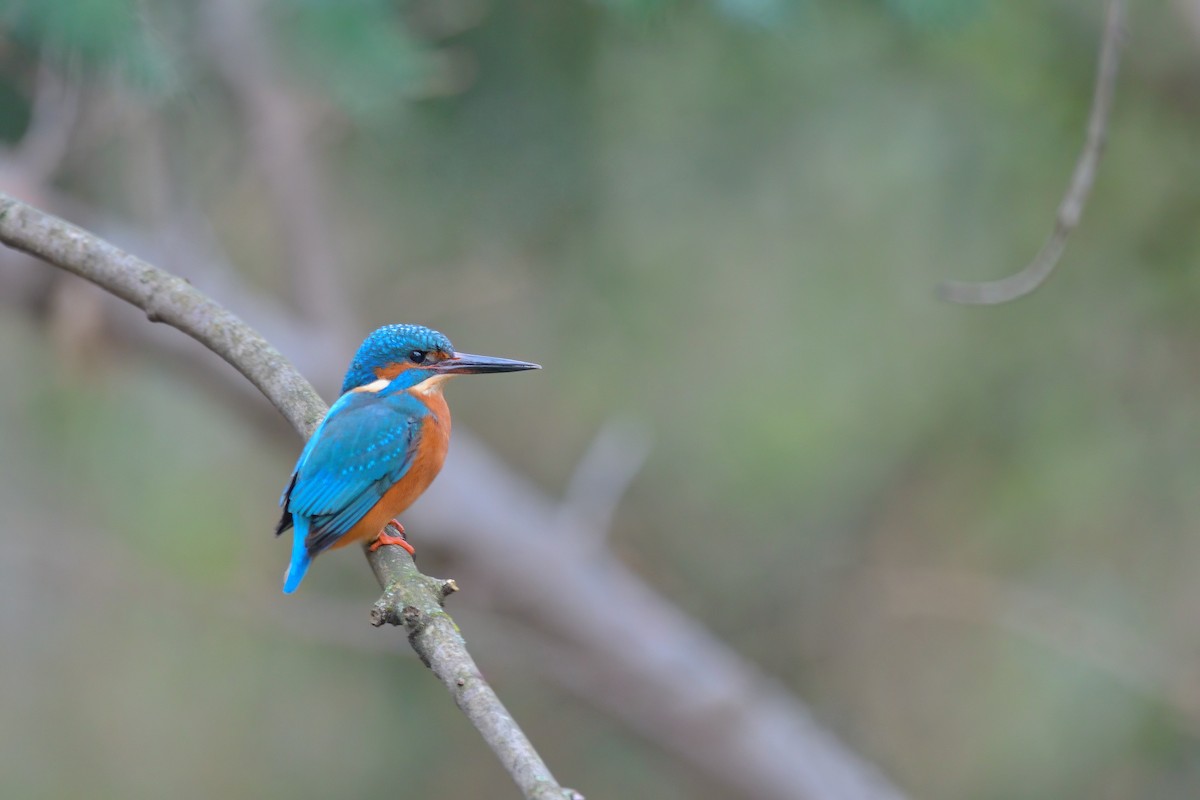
364 445
391 344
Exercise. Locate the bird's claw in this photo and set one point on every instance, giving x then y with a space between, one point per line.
386 538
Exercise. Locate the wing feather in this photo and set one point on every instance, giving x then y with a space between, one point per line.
363 447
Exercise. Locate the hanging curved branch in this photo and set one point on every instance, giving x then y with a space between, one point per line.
410 598
1071 209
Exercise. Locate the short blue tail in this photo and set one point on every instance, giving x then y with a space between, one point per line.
300 557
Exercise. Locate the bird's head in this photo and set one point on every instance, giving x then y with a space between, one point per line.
404 356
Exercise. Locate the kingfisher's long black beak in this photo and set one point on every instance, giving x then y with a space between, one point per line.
467 364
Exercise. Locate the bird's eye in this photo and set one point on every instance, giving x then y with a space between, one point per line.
418 356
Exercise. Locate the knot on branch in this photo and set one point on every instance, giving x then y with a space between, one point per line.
383 613
389 613
412 617
391 608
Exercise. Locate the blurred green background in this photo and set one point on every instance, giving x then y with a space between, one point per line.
965 536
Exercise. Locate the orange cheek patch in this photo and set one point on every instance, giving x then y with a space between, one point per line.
390 371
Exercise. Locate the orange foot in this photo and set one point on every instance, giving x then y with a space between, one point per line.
385 538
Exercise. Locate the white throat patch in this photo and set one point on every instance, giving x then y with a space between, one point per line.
431 385
373 386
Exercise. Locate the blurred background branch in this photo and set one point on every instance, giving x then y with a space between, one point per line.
603 476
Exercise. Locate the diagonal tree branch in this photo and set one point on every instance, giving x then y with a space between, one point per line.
648 665
410 599
415 601
1071 209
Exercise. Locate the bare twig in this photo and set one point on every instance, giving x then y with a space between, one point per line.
1071 209
166 298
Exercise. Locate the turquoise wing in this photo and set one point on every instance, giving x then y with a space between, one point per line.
363 447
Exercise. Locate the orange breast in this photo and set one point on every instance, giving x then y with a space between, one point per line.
432 445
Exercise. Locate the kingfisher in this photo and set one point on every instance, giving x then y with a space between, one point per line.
379 447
